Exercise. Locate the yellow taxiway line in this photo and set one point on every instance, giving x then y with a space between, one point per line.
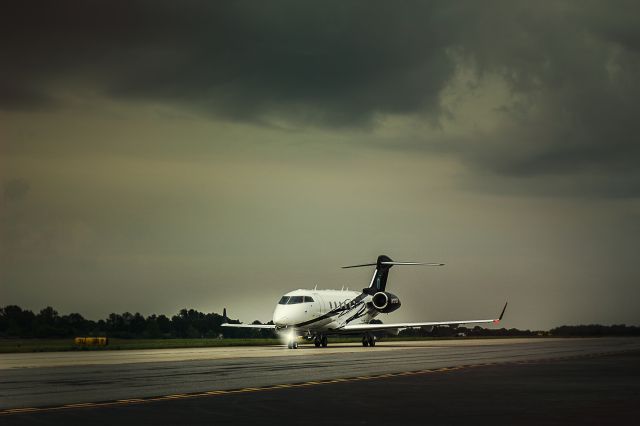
123 402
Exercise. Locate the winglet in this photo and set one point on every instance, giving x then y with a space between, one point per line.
224 314
502 313
503 309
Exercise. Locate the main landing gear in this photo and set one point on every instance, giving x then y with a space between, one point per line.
318 340
368 340
321 340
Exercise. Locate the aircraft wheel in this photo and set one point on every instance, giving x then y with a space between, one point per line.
325 341
295 345
290 345
372 341
365 341
317 343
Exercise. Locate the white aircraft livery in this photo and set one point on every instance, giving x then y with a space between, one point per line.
315 314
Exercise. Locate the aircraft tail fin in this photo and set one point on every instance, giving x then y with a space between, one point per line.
383 264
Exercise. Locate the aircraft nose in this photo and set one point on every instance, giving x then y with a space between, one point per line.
280 320
279 317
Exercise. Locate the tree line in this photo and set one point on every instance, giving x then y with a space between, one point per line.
187 323
595 330
592 330
476 331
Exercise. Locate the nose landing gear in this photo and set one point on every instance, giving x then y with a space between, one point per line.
292 340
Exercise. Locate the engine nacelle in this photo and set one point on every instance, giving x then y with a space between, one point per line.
385 302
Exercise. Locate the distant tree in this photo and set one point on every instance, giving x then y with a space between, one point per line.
152 329
16 322
137 325
164 325
117 325
75 324
48 323
100 327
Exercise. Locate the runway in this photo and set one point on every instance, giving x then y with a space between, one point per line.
68 382
590 390
58 359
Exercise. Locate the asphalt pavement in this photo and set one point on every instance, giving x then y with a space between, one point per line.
370 384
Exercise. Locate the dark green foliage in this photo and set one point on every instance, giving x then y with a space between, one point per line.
188 323
467 332
595 330
564 331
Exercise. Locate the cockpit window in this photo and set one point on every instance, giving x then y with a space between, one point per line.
294 299
284 300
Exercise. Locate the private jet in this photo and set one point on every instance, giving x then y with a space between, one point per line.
316 314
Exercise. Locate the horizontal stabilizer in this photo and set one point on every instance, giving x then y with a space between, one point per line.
394 263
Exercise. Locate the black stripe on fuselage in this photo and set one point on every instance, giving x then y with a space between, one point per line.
336 311
320 318
360 313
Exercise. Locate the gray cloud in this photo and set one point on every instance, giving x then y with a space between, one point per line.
570 69
575 73
332 64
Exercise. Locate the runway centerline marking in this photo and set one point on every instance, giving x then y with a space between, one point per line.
123 402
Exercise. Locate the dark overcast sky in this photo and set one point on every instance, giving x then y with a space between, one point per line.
156 155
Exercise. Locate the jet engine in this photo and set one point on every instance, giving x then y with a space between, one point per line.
385 302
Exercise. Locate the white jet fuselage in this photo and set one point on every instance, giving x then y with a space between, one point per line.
323 310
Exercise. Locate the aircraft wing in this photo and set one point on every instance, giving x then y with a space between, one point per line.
375 327
270 326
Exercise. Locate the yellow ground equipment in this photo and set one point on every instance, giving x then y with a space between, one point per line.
92 341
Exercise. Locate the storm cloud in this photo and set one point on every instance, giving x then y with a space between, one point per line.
568 70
